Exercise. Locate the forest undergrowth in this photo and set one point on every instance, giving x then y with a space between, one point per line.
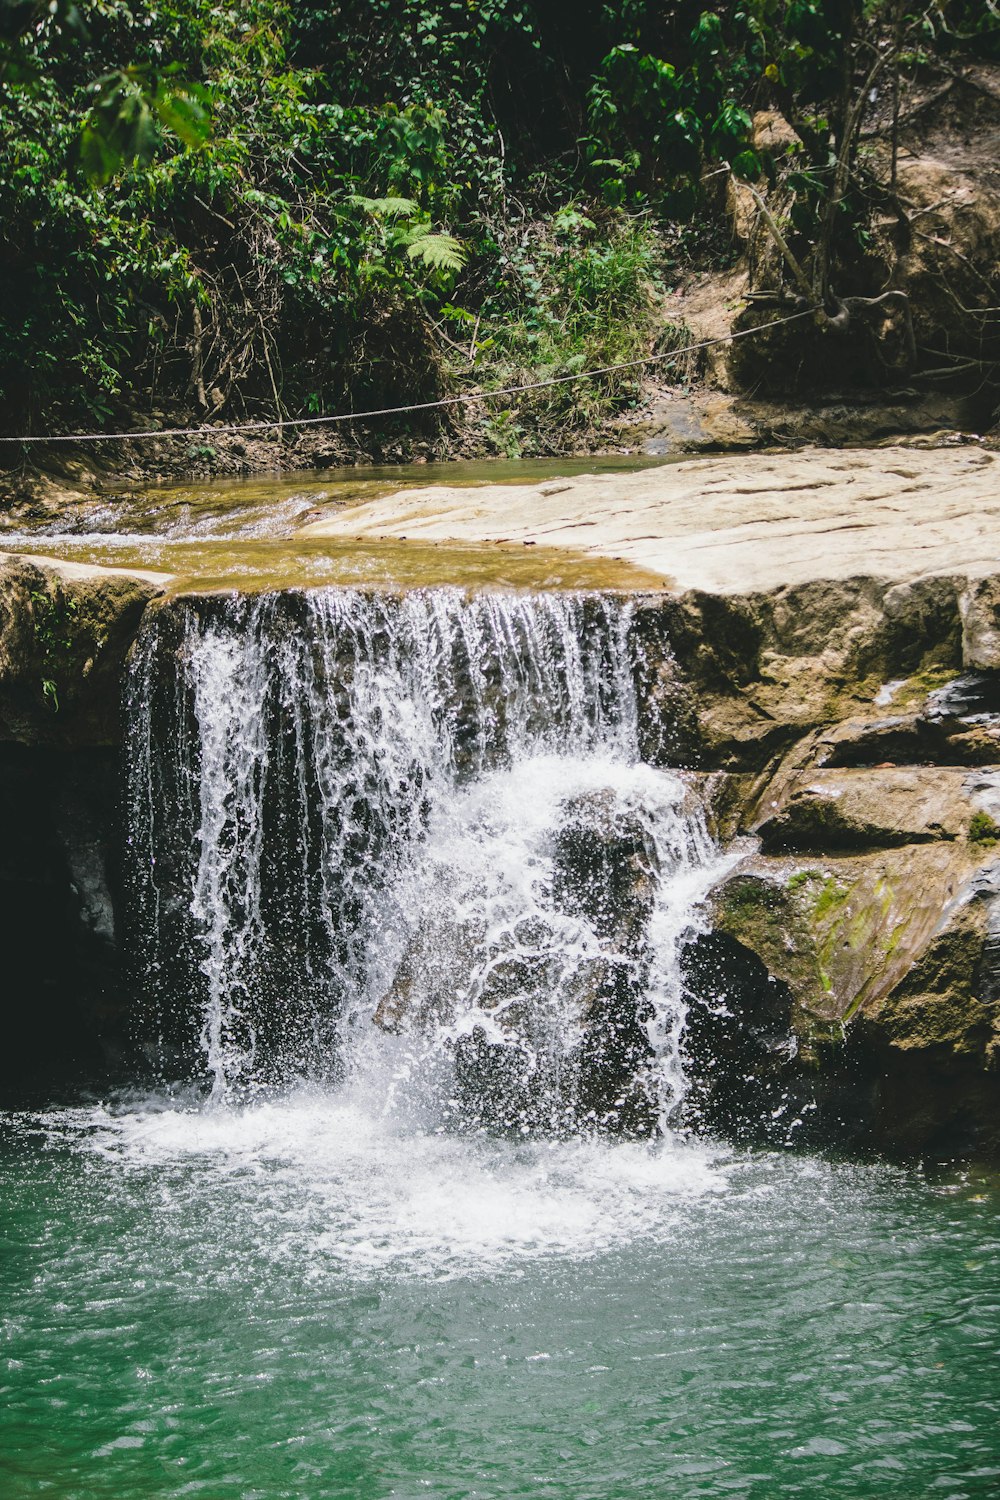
215 213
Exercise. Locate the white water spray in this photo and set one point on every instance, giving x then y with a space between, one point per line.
408 842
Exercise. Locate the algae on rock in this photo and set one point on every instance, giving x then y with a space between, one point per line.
65 631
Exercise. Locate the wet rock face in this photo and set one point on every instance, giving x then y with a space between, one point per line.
604 872
879 808
872 907
64 634
853 730
742 1054
62 1007
857 1002
584 960
730 682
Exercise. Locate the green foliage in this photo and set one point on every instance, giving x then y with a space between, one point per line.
215 208
236 211
983 830
132 107
576 294
954 24
408 230
53 616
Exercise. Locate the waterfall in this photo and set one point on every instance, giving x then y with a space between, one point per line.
406 843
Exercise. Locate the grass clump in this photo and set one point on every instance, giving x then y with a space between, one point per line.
983 830
572 292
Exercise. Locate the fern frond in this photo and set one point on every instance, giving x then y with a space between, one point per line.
387 208
439 252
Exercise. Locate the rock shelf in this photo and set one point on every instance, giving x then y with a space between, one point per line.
823 659
733 524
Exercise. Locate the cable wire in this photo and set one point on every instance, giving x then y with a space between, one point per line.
279 423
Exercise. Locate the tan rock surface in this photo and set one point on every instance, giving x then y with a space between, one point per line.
858 809
732 524
82 573
844 930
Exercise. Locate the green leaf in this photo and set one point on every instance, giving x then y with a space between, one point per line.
98 158
387 208
185 113
457 314
746 165
441 252
128 111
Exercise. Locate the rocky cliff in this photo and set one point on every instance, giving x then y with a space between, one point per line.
851 734
65 631
823 661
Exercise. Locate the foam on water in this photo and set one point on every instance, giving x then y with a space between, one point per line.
326 1181
304 1297
477 899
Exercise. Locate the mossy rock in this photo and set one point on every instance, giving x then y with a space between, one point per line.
65 631
842 934
949 1001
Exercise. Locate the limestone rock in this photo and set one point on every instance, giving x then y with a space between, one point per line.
879 808
953 723
980 611
864 987
933 1041
950 999
732 682
841 933
909 739
724 526
703 423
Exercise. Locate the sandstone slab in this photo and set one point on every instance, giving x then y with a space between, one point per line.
733 524
880 807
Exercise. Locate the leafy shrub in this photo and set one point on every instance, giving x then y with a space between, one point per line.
221 208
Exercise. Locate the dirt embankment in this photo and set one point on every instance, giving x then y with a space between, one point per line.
919 354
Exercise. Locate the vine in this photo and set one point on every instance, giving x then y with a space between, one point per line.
53 616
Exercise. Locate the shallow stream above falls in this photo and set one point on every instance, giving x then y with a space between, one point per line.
410 1195
243 534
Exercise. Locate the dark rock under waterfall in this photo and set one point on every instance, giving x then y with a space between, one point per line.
841 978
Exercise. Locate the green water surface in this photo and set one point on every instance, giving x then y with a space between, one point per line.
245 533
302 1299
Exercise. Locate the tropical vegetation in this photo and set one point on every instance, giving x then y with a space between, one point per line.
259 207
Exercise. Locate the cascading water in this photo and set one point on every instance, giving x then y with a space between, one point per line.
407 842
402 857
